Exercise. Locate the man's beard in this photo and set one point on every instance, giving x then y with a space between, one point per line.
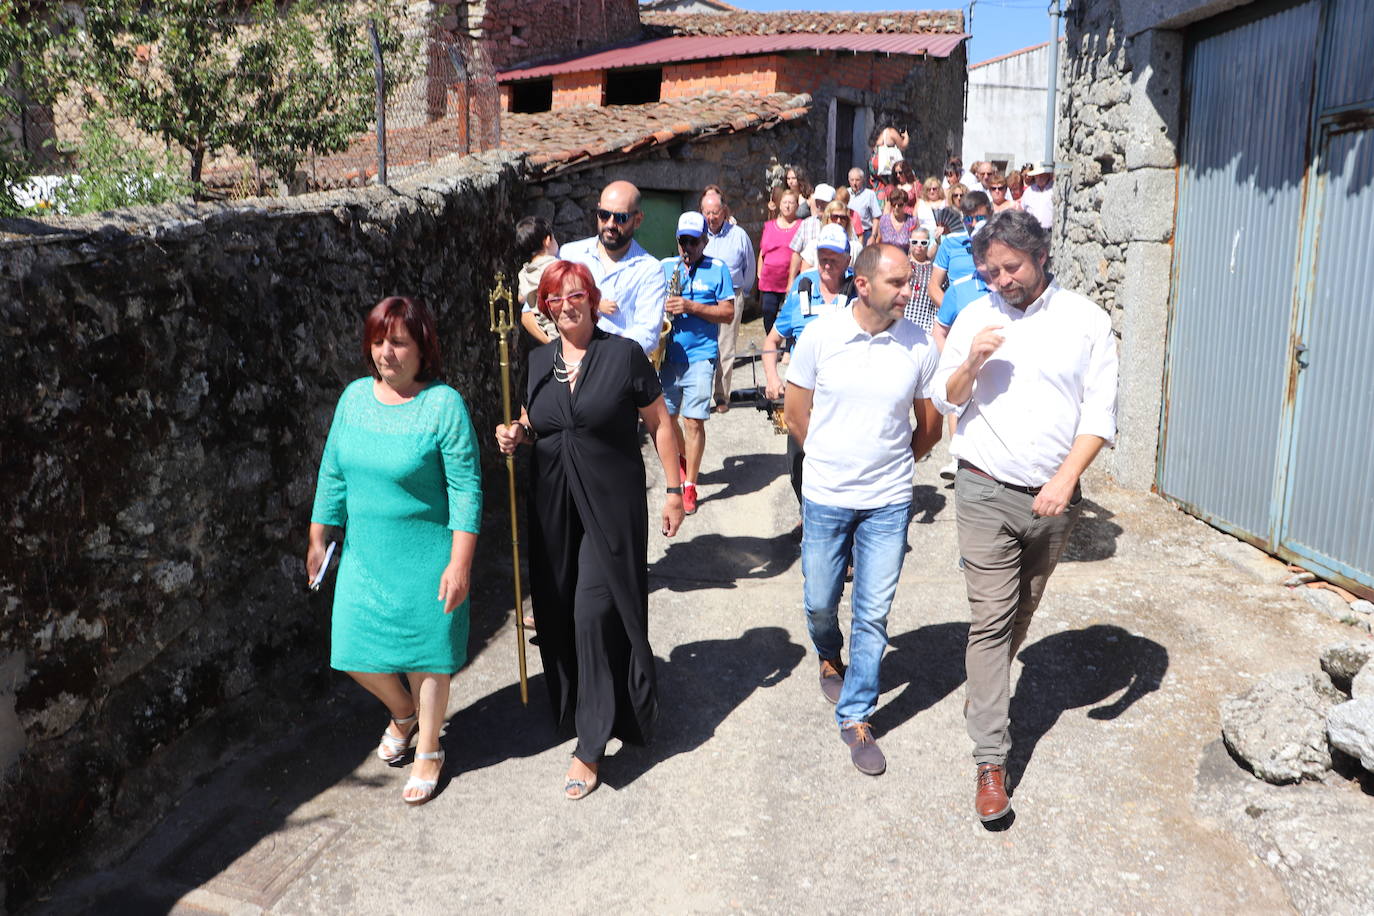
613 238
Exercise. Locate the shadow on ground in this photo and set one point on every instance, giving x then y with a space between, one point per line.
717 561
926 665
1093 537
1078 668
743 474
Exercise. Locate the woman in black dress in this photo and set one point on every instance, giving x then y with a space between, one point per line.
588 513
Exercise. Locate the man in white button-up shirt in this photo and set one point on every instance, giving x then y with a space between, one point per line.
1030 370
630 279
856 377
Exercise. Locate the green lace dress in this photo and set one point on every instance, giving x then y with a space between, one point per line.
400 479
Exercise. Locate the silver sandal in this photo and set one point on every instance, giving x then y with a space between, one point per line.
393 749
428 785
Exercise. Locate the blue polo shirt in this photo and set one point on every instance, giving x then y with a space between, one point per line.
792 318
694 339
961 293
956 255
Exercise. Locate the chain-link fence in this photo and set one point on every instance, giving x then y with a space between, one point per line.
271 114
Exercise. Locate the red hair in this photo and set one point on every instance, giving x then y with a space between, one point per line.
418 320
551 284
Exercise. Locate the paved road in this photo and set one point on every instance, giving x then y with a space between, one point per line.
748 801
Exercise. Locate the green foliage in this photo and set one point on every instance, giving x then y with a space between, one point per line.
28 30
276 83
114 174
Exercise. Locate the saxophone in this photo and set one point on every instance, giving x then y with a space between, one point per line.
665 333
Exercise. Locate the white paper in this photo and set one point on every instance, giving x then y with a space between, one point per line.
324 567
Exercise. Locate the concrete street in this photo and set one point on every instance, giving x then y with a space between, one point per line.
747 801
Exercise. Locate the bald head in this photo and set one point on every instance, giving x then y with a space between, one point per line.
620 196
713 208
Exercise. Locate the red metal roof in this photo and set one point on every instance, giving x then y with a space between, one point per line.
709 47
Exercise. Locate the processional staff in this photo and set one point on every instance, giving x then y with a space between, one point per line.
502 323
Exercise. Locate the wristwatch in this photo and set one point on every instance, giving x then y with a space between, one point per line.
529 432
674 491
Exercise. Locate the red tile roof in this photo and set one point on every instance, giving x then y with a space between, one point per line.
803 21
707 47
560 139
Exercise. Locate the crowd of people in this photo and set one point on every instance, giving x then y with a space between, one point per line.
886 303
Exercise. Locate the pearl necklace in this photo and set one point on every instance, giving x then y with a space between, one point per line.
565 371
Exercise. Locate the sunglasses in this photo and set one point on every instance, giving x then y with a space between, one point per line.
689 241
576 297
605 216
921 243
997 187
957 197
839 218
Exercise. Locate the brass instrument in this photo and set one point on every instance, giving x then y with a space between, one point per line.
502 323
665 333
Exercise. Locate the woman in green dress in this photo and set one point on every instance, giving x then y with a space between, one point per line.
400 472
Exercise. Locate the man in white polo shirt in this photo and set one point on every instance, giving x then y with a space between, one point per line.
1030 370
856 377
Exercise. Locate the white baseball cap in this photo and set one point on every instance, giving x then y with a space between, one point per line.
824 193
833 238
691 223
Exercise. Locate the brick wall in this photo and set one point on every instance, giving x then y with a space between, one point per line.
573 89
731 74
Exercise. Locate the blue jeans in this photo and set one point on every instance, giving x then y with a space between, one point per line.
877 538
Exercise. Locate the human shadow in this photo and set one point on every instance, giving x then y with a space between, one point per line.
1094 535
717 561
492 716
699 685
926 503
1077 668
743 474
926 665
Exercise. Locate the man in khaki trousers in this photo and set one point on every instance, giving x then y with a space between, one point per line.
1030 370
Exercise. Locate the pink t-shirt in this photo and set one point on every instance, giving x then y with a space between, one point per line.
776 248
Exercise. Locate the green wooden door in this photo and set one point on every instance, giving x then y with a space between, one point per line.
658 232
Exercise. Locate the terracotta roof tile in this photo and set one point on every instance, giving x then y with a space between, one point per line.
562 138
790 21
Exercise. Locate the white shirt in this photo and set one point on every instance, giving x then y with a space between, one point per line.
634 283
858 442
1038 203
732 247
1052 380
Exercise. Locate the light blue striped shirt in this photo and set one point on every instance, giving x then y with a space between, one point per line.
733 247
634 284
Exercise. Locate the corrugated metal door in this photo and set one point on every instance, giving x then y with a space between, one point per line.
1240 201
1269 417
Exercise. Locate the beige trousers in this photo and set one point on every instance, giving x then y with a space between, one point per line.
1008 553
725 369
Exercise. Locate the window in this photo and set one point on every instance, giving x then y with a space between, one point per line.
531 95
633 87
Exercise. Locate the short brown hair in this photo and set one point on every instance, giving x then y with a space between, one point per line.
418 321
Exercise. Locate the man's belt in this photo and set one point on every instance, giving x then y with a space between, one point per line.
1029 491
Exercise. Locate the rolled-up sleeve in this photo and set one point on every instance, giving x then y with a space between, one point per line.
956 350
1097 417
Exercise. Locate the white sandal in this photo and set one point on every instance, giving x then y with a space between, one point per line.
393 749
428 785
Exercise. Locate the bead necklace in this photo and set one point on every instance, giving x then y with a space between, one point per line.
565 371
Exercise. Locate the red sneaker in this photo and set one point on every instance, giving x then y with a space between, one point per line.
689 498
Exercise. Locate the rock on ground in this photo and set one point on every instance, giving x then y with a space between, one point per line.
1350 726
1362 685
1344 660
1278 727
1318 839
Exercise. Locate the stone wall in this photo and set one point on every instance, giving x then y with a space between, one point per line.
1118 111
171 375
516 31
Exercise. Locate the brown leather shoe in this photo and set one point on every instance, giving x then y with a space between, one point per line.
990 800
832 679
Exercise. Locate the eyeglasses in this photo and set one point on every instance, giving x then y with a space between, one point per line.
576 297
838 218
621 218
921 243
957 197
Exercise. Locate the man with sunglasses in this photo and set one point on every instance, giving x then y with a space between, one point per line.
705 299
627 275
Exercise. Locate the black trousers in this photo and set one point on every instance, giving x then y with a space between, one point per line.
795 456
603 656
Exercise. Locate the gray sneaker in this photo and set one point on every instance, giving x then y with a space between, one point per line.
864 752
832 679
